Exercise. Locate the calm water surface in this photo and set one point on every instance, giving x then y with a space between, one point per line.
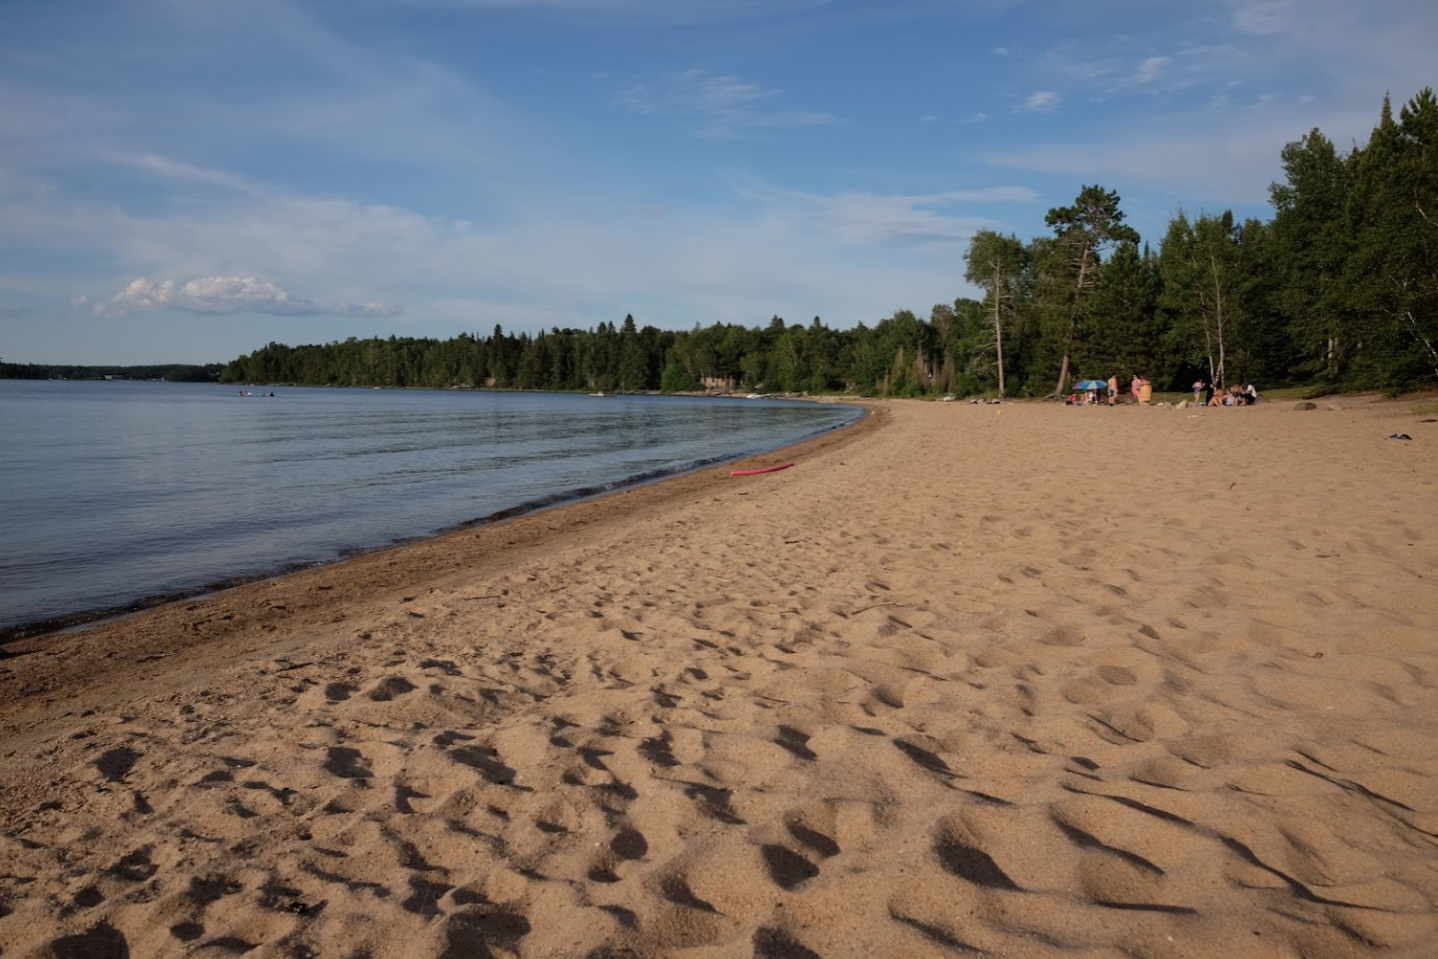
115 493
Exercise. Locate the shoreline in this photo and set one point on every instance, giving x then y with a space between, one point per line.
1024 680
80 619
162 626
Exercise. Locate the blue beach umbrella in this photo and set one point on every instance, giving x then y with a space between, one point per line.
1090 385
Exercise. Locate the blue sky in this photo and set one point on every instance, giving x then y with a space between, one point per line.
188 180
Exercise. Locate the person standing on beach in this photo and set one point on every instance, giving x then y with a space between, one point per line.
1113 390
1145 392
1198 385
1134 386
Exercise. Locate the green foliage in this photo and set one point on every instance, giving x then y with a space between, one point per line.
997 264
1125 335
1354 250
1392 273
171 372
1082 231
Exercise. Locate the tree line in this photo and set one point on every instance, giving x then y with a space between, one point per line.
170 372
1339 289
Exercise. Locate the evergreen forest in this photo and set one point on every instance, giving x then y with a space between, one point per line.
170 372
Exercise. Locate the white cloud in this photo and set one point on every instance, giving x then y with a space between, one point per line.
1041 102
215 295
1151 69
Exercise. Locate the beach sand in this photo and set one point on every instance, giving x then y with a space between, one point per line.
1020 680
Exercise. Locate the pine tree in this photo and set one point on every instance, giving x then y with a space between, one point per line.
1083 231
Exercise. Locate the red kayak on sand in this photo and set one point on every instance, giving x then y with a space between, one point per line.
763 469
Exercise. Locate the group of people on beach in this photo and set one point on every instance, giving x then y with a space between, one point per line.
1206 395
1140 389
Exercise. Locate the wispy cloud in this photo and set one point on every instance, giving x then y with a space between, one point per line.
639 11
890 219
718 106
177 171
1151 69
1264 17
1041 102
1233 167
219 295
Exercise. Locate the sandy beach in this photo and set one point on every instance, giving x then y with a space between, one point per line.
1021 680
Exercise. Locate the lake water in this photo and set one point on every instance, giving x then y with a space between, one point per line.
116 493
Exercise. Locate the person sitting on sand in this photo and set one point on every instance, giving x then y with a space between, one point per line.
1219 393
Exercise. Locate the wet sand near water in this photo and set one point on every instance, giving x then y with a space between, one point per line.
1025 680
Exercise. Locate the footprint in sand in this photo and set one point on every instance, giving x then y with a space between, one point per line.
115 764
103 941
821 843
629 843
346 762
795 742
787 869
390 687
339 692
424 896
486 931
487 761
961 857
771 943
212 888
924 758
135 865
